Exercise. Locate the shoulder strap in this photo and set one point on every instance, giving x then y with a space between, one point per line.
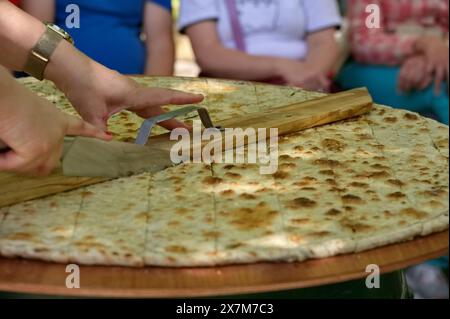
236 24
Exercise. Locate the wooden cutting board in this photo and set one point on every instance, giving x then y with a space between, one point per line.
29 276
288 119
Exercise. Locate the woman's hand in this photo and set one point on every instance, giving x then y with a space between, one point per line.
98 92
299 74
34 130
436 52
414 74
106 92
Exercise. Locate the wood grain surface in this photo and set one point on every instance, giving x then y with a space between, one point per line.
27 276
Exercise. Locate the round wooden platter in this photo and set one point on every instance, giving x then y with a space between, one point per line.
27 276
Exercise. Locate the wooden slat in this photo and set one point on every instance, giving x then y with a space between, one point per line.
288 119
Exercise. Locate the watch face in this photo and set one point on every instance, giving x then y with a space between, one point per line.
60 31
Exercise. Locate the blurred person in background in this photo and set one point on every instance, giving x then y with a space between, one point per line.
404 62
283 42
131 37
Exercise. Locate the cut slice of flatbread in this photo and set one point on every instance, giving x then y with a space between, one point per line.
181 229
41 228
110 227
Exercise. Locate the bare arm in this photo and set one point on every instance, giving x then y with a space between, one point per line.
96 91
323 51
217 60
43 10
160 44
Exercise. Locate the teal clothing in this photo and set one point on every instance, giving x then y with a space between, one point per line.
382 84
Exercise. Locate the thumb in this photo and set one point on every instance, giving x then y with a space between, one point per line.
79 127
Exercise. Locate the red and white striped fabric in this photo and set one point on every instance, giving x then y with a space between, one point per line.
386 45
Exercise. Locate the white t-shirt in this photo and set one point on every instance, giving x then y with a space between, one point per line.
270 27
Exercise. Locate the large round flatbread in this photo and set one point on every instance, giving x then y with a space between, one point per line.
347 187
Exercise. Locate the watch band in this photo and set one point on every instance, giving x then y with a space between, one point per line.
40 54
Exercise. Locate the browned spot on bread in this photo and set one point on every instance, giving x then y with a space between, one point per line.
333 145
352 199
174 223
379 166
435 192
388 214
379 174
54 205
333 212
320 234
281 175
355 226
390 119
337 189
327 162
364 137
20 236
227 192
142 217
286 157
211 234
301 202
208 220
396 195
212 180
411 117
181 211
263 190
331 181
86 193
309 189
326 172
247 218
81 215
177 249
233 175
299 148
300 221
381 112
235 245
247 196
41 250
287 165
395 182
413 213
359 185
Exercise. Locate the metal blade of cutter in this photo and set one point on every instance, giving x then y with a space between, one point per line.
145 130
95 158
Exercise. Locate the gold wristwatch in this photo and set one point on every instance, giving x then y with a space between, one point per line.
43 50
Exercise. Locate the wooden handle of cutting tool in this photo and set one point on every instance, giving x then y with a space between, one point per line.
287 118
